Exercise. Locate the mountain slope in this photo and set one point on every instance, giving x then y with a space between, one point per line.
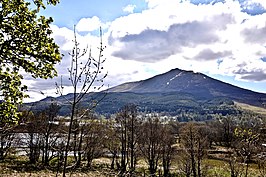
180 93
197 84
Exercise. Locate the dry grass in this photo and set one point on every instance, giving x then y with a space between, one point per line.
214 167
46 173
49 174
20 168
251 108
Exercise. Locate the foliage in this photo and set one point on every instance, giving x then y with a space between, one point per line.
26 45
247 145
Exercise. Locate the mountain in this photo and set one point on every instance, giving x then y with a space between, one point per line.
177 92
197 84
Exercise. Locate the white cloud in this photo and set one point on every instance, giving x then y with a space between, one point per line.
89 24
214 38
129 8
187 31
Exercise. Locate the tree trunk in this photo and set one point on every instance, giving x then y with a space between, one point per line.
79 148
113 160
46 151
69 134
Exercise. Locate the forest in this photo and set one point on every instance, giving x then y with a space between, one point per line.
132 143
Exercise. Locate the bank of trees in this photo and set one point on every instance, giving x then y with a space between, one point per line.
138 143
25 45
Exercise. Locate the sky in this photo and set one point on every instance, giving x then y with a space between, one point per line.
224 39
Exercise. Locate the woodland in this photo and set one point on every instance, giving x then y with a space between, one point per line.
132 143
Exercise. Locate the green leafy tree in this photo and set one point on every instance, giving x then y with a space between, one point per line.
247 145
26 45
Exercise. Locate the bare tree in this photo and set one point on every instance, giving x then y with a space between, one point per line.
261 161
112 141
185 163
94 140
127 129
150 142
49 131
7 136
42 133
236 168
261 155
78 137
168 140
133 125
33 139
225 126
194 142
83 77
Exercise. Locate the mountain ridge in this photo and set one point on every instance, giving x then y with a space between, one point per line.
172 70
177 80
175 92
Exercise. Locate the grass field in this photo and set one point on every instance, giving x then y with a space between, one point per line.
251 108
20 168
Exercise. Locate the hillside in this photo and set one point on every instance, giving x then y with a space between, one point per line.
196 84
176 93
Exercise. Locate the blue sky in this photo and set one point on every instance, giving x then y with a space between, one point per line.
67 12
224 39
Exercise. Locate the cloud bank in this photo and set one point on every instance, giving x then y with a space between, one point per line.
225 37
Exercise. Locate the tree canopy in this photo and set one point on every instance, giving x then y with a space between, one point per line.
26 45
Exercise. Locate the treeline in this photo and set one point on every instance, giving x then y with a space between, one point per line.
173 104
138 143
